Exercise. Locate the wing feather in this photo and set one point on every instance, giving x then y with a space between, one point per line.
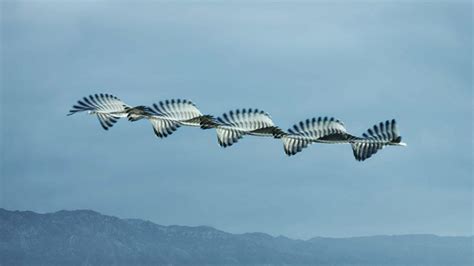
320 129
233 125
317 128
383 132
227 137
163 128
177 110
246 120
375 139
363 151
99 103
108 108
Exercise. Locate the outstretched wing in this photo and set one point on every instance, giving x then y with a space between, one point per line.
321 129
375 139
317 128
384 132
100 103
177 110
167 116
107 107
226 136
246 120
231 126
363 151
294 144
163 128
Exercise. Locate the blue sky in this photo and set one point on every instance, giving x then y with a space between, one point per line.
361 62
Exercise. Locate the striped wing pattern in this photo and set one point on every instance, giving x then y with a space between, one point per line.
317 128
167 116
384 132
177 110
231 126
108 108
376 138
226 137
294 144
363 151
163 128
320 129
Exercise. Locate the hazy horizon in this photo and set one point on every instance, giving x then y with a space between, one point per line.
360 62
251 232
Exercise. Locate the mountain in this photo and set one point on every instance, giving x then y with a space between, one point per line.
86 237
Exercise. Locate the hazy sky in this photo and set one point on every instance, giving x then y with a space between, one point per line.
361 62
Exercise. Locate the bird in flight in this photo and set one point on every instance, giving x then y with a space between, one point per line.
108 108
332 131
167 116
233 125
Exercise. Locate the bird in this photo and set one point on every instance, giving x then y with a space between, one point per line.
234 124
168 115
108 108
314 130
332 131
376 138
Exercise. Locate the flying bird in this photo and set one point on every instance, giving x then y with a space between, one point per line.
332 131
315 130
167 116
108 108
375 139
233 125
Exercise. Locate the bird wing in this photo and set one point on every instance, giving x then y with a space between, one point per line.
323 129
100 103
375 139
246 120
107 107
294 144
383 132
231 126
363 151
317 128
177 110
162 127
226 136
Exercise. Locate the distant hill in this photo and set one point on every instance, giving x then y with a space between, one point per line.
89 238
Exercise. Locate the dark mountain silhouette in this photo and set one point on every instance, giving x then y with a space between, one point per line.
86 237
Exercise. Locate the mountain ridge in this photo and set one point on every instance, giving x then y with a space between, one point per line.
88 237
